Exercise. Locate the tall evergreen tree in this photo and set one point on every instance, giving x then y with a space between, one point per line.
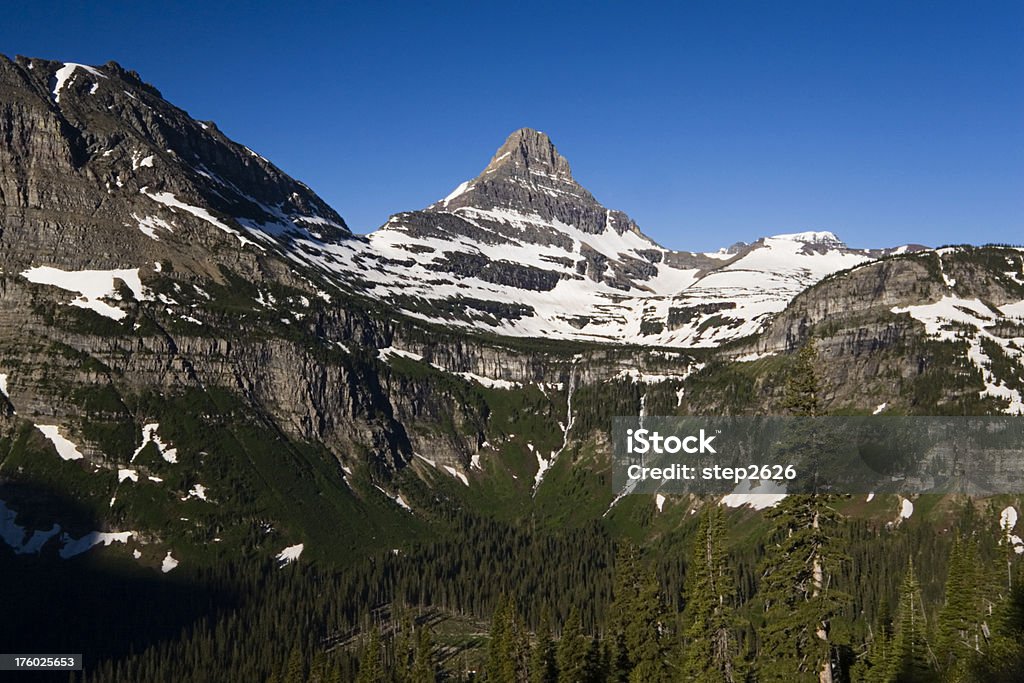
797 592
802 561
958 630
371 669
648 629
500 659
873 664
619 664
711 650
594 663
803 390
626 593
295 671
508 653
424 667
572 649
543 666
910 661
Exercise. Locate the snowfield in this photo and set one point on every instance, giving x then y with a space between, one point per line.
92 286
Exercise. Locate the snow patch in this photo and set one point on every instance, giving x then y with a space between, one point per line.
768 495
149 436
65 73
906 508
149 225
197 491
92 286
65 448
1008 519
78 546
290 554
123 475
461 189
458 475
168 563
14 534
168 199
659 500
3 387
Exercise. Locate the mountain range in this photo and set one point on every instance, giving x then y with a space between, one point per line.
197 353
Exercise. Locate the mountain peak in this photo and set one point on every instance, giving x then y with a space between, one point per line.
528 151
528 176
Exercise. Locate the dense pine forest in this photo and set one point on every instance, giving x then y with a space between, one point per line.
824 597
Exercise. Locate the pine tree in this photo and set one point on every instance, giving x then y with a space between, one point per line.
619 664
909 657
404 647
873 665
797 592
1004 659
371 670
424 667
648 629
627 596
318 670
572 649
594 663
295 672
543 667
958 630
800 565
500 646
803 390
508 653
711 652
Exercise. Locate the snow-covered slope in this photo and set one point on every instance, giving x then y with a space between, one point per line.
524 250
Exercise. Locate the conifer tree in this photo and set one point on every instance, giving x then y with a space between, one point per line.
295 672
648 629
797 588
371 670
572 649
1003 660
797 591
594 663
958 629
543 667
873 665
626 594
404 647
424 667
499 651
711 651
619 664
910 658
508 653
803 390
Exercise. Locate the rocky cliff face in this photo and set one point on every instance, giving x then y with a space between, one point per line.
100 172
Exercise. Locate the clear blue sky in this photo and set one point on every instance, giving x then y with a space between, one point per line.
709 122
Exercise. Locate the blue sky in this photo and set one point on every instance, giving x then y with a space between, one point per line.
708 122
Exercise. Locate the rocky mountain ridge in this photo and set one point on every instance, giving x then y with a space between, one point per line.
522 250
